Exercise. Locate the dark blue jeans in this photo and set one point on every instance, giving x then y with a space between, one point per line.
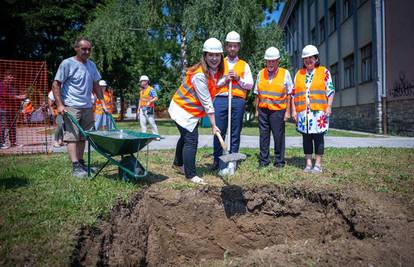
221 115
272 121
186 150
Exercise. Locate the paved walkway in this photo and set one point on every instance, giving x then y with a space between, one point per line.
330 141
170 142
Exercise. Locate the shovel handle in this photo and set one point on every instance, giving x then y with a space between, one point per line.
223 145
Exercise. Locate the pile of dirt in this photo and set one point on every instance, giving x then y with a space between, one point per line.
261 226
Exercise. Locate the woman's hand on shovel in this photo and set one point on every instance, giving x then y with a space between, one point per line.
215 129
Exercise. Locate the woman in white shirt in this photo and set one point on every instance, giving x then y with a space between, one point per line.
191 102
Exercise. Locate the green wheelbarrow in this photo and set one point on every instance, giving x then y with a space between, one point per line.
118 142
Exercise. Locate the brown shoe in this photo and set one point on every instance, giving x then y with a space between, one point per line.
178 169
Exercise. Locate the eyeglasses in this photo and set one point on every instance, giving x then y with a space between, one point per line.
86 48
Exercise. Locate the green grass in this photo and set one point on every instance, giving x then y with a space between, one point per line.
43 207
167 127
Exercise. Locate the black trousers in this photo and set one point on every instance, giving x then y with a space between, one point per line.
313 142
272 121
186 150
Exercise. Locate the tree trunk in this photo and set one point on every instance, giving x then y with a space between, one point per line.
121 95
184 62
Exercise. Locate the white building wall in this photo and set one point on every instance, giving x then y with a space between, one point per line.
366 93
348 97
347 34
333 48
365 28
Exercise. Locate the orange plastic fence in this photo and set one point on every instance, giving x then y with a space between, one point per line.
25 121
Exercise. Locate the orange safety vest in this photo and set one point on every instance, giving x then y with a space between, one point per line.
144 97
272 93
28 108
187 98
108 103
236 89
318 98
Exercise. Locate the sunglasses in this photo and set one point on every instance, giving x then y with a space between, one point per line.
86 49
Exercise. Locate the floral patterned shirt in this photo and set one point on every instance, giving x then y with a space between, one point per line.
314 121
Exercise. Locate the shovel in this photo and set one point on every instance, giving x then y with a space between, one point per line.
227 157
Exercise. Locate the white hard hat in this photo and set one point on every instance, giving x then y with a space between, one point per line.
272 53
213 45
102 83
309 50
144 78
233 37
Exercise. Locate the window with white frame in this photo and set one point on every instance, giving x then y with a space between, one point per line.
349 66
346 9
366 63
335 75
313 36
321 30
332 18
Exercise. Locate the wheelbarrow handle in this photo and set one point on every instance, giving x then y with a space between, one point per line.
223 145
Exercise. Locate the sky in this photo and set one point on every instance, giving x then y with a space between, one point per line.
274 16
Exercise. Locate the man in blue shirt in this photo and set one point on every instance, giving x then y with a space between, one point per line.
72 88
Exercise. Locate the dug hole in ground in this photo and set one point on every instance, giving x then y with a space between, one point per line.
251 226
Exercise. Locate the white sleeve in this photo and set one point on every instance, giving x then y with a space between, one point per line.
256 91
200 82
246 82
51 96
288 83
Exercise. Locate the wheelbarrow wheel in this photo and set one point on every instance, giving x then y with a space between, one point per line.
132 164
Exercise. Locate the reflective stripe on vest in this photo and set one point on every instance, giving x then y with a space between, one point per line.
187 98
236 89
144 97
108 103
318 99
272 93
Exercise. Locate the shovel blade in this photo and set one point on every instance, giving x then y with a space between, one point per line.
232 157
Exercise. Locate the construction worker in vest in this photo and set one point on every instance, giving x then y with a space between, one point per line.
103 121
27 110
238 73
273 89
192 101
147 98
313 95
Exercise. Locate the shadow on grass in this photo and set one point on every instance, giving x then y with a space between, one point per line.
13 182
297 162
151 178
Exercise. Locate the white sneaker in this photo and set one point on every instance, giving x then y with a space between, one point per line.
229 170
224 172
197 180
317 169
4 146
307 169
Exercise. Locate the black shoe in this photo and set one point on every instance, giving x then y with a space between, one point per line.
263 165
82 163
215 166
279 165
78 171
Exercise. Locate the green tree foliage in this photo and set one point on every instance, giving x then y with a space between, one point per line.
138 36
42 29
